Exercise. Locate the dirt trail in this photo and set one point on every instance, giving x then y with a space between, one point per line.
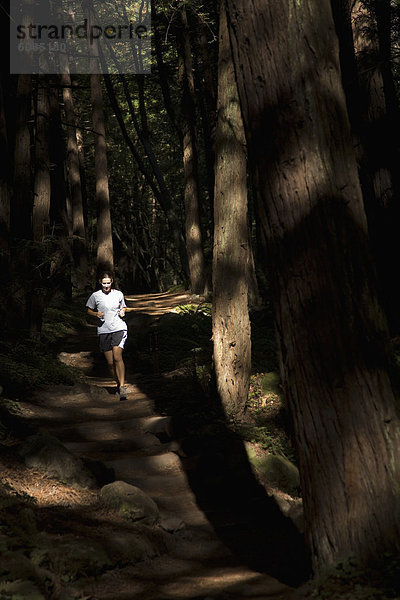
128 437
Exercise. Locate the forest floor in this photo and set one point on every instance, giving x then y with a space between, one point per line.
136 439
59 541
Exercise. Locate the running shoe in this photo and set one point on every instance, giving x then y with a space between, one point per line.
122 392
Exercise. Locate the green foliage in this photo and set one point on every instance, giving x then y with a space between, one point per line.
269 437
25 366
204 308
183 340
59 321
28 363
346 580
270 383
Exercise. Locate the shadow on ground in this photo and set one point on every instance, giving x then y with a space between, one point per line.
214 458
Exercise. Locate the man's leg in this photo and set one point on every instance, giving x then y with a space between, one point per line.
110 364
119 364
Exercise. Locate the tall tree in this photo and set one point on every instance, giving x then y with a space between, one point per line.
21 211
105 251
79 241
41 203
4 197
206 94
365 64
331 329
42 187
194 242
60 273
231 323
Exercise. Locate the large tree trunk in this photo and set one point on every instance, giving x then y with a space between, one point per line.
19 294
231 324
194 242
60 284
205 82
105 251
41 204
331 329
4 200
42 188
79 241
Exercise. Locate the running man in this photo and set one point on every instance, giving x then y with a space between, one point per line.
108 305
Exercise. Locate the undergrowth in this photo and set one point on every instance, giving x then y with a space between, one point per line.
348 581
27 363
184 345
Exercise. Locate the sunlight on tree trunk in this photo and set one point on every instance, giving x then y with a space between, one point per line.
41 205
194 242
105 253
79 242
231 324
331 329
105 250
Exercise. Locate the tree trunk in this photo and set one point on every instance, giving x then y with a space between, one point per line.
42 188
60 284
79 241
207 103
194 243
374 129
19 296
231 323
4 182
4 200
105 253
331 329
41 205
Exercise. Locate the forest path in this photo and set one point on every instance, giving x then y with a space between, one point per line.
128 437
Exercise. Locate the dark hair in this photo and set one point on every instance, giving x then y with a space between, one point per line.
105 274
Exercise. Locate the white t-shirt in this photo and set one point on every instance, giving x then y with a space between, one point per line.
109 304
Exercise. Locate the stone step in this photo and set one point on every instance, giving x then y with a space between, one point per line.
98 431
139 467
142 442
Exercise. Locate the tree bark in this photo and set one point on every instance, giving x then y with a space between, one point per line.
41 205
231 323
19 296
42 187
331 329
374 124
205 83
105 252
4 200
79 240
4 181
194 243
